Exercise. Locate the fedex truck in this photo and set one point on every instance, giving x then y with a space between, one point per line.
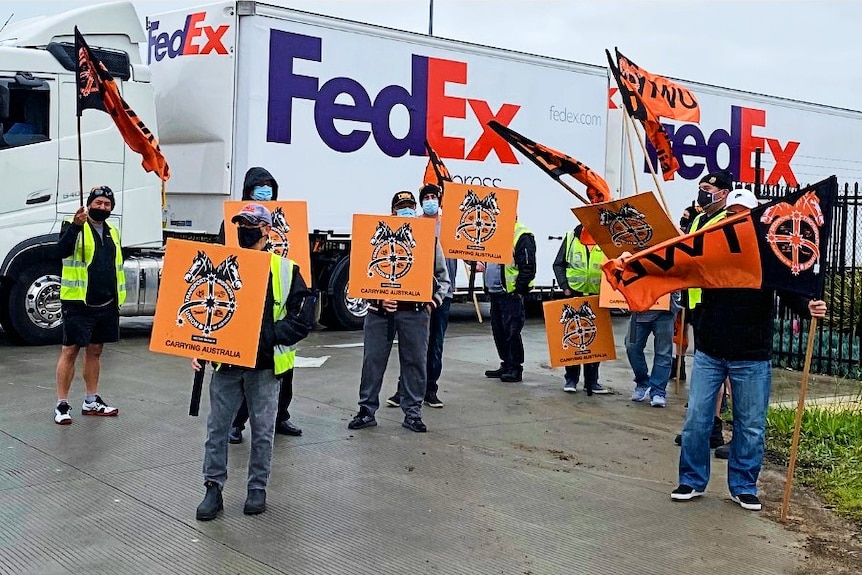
339 112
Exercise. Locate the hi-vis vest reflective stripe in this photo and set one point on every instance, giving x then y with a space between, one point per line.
73 283
510 272
584 269
696 294
282 276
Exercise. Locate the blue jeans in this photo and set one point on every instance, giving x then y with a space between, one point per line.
436 333
662 329
751 382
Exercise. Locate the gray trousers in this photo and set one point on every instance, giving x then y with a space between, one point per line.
227 388
412 330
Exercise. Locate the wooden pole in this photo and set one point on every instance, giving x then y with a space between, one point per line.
797 427
473 292
164 204
649 163
679 352
572 191
80 166
631 155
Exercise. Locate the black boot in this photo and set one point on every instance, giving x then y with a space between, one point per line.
255 503
212 503
676 364
512 375
716 438
494 372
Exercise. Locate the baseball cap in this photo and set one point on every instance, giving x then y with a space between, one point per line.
741 197
403 198
722 179
253 214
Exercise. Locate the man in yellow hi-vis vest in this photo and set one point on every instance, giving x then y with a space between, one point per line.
578 270
288 318
92 289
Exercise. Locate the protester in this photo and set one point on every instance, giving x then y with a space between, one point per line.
429 198
659 323
733 339
289 321
410 320
507 286
92 289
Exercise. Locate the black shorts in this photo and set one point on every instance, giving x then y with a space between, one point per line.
83 324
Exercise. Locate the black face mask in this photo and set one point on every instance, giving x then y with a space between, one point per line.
705 198
249 236
98 214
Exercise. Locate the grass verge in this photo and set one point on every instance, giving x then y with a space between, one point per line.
830 453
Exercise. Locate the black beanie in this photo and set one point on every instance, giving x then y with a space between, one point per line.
429 190
101 191
723 180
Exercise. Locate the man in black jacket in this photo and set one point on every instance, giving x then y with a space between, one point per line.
733 338
507 285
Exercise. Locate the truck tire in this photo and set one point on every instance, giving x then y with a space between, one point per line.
34 306
343 312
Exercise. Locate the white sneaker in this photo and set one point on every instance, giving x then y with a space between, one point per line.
640 393
658 401
98 407
570 387
61 414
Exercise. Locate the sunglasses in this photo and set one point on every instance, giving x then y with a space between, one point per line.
102 192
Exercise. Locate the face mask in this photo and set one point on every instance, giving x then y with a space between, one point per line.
704 198
98 214
430 207
262 193
249 236
406 213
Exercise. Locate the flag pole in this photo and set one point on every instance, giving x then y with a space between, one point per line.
797 426
631 152
572 190
679 351
471 279
650 164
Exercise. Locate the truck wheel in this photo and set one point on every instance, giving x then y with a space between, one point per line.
34 306
344 312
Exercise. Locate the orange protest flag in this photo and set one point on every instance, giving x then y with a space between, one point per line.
289 235
665 98
554 163
578 331
478 223
211 298
392 257
613 299
98 90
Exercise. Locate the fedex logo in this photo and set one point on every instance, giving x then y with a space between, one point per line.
193 38
689 143
425 100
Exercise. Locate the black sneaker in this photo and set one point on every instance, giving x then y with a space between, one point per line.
716 438
394 401
678 439
234 436
684 493
287 428
512 376
722 451
414 424
747 501
498 373
433 401
61 414
362 420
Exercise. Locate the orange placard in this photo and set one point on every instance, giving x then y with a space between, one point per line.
579 331
289 235
629 224
392 258
478 223
614 299
210 302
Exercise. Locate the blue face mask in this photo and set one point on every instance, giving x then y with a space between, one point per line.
430 207
262 193
406 213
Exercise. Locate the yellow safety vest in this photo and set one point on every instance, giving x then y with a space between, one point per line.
584 267
282 276
510 272
696 294
73 281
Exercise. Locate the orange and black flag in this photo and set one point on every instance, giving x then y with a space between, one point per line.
554 163
435 172
665 98
638 109
97 90
780 245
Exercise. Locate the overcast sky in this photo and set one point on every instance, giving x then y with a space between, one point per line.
806 50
